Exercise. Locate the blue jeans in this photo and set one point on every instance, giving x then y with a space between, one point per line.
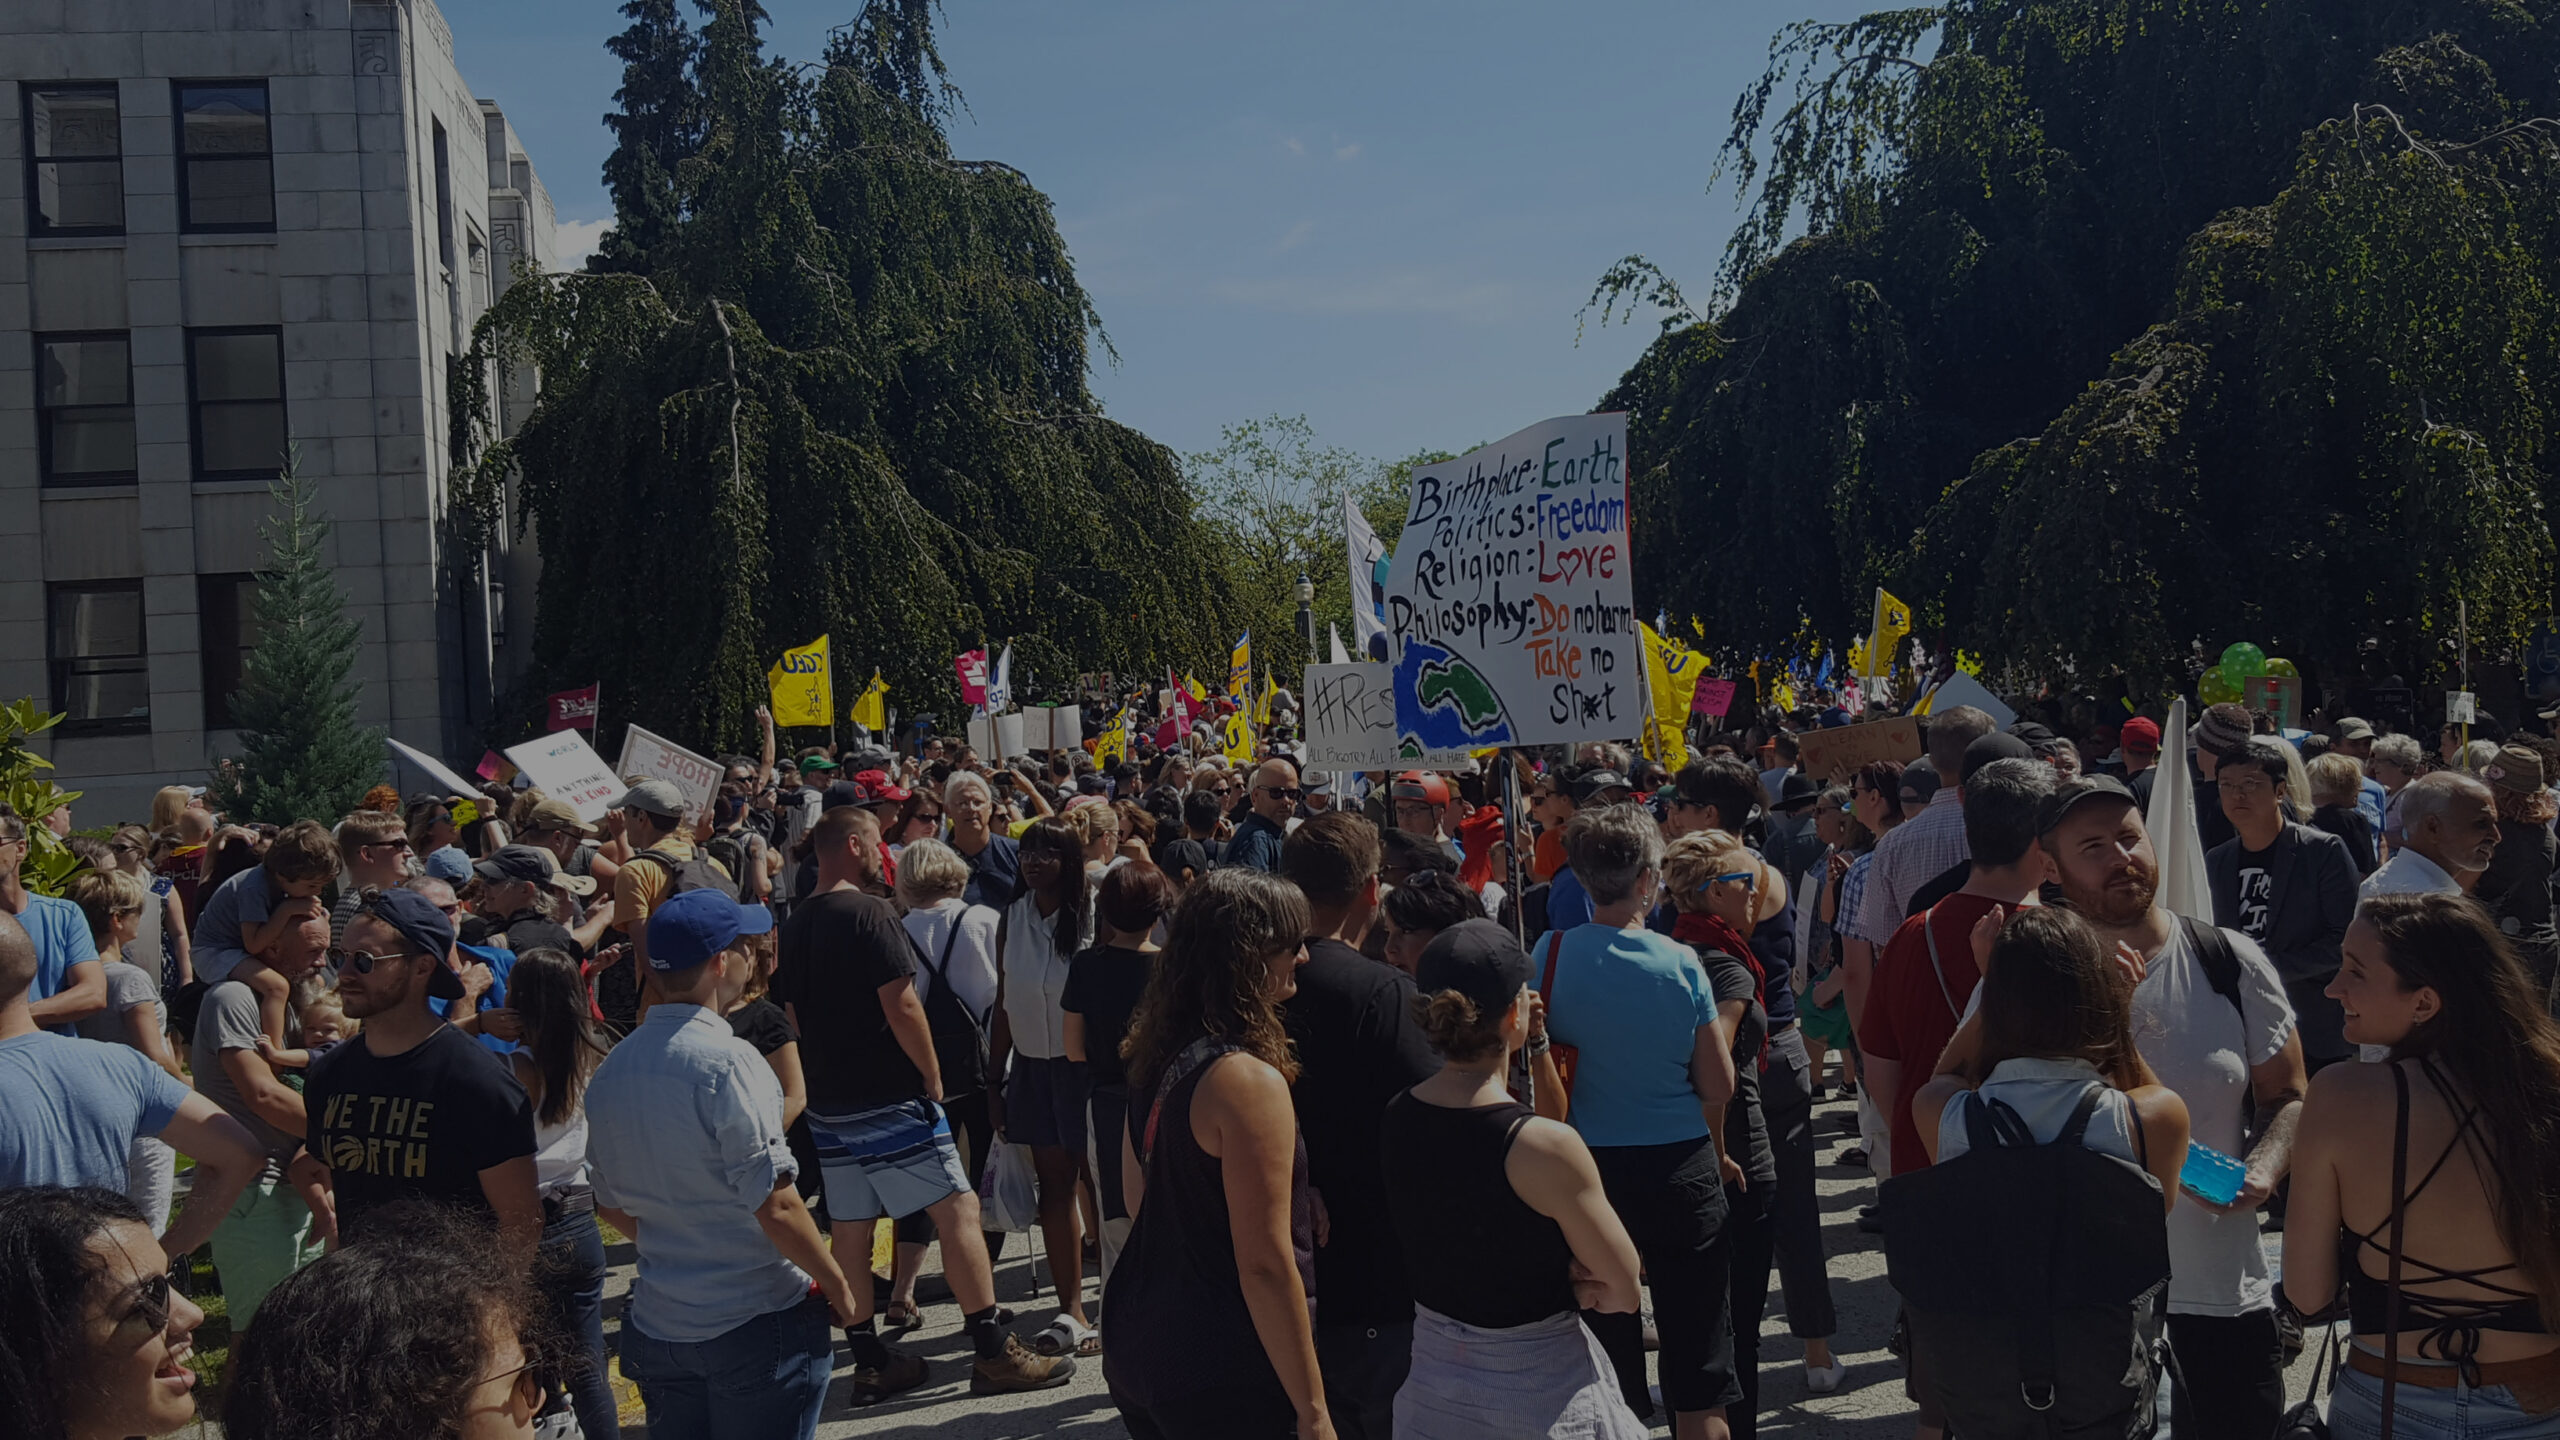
764 1380
2419 1413
573 1284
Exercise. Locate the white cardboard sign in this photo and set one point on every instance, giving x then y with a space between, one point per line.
435 770
646 756
1351 721
569 770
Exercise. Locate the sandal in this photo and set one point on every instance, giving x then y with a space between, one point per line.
901 1315
1063 1336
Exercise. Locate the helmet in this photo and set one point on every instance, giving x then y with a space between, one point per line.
1421 785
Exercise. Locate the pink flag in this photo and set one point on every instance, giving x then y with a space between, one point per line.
972 665
574 709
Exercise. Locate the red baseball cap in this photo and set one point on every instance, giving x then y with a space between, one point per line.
2139 733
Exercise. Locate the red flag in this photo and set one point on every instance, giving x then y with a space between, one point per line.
972 665
574 709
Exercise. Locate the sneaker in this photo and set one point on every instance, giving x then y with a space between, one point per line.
1825 1379
1015 1369
905 1370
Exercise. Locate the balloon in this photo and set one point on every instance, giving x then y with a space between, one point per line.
2243 661
2215 688
2282 669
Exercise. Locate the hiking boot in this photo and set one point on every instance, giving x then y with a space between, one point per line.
872 1384
1015 1368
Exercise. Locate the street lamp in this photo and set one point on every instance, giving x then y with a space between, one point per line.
1307 613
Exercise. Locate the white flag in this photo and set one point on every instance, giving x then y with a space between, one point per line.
2176 843
1339 655
1000 683
1368 617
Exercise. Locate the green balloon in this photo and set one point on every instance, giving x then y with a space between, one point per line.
2243 661
2215 688
2282 668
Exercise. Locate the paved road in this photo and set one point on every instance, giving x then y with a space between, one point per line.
1868 1407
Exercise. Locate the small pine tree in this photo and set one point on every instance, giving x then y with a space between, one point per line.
302 753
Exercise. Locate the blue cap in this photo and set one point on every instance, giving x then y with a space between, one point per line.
692 927
449 865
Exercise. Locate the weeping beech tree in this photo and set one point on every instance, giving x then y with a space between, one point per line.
2105 330
825 378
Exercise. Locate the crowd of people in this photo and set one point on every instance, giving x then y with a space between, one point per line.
1332 1114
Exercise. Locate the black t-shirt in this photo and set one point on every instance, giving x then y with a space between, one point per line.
1103 984
528 930
838 949
2256 879
762 1024
1746 1136
420 1124
1358 1048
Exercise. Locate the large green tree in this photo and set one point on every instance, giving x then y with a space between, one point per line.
2109 331
843 391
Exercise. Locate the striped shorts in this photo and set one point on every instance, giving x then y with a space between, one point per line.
896 1161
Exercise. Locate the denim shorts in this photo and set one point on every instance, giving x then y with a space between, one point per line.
2423 1413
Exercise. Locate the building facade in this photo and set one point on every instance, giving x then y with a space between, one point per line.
233 230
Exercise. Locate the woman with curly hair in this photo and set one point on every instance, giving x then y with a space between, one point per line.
425 1331
93 1342
1210 1333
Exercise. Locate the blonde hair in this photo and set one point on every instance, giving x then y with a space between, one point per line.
2336 778
102 895
1697 858
167 805
930 872
1085 820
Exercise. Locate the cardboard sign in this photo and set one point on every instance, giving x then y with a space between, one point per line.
1714 697
653 757
1963 689
2461 707
1835 754
434 769
2278 695
569 770
1351 721
1053 727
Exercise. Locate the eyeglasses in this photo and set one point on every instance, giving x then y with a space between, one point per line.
1282 792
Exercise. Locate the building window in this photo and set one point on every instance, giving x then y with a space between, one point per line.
75 161
227 620
226 180
84 408
235 380
101 678
444 197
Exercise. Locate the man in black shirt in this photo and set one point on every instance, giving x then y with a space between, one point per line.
413 1108
1358 1048
847 980
512 886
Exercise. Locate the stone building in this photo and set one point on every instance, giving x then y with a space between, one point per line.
229 228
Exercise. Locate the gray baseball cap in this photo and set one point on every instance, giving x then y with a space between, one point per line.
658 797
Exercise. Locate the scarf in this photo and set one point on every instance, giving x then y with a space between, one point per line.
1705 931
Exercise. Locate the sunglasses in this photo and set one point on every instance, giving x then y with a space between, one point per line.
400 844
1282 792
1744 878
359 961
150 1303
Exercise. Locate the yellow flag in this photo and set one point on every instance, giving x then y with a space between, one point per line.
1239 738
1783 695
871 712
1671 672
1892 622
802 686
1198 690
1240 666
1111 747
1262 700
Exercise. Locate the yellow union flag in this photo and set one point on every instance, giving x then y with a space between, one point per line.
871 712
1111 747
1671 672
803 687
1240 666
1892 622
1239 737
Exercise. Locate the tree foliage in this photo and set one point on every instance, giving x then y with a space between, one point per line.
2110 332
302 752
844 392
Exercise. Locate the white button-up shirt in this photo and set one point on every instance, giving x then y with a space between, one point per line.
2407 873
1035 979
1912 854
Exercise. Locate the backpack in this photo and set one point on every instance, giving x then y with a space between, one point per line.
959 1038
2030 1275
697 873
731 853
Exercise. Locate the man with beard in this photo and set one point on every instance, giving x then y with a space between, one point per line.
2211 1018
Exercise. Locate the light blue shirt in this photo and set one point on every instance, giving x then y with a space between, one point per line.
684 1133
61 932
75 1108
1631 1002
2372 799
244 899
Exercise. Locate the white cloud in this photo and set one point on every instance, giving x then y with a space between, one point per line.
1297 235
1293 145
1347 152
574 240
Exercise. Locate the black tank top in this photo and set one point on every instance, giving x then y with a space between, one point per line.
1474 1249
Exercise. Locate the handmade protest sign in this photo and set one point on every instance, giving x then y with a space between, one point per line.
653 757
1714 697
1510 611
1351 721
569 770
1836 753
433 768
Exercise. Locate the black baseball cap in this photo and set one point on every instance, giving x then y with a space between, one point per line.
1478 959
423 926
2072 794
1994 746
532 865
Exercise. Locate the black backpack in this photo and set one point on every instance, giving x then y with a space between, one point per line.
697 873
959 1038
731 851
2030 1274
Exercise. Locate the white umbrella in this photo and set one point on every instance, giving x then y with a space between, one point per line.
2175 840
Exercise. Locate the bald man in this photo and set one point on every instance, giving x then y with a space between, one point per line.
1274 798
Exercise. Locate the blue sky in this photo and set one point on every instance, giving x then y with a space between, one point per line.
1381 215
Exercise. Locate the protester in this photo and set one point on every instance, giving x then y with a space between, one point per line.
413 1107
1823 1020
2211 1019
1358 1046
2449 833
1103 985
69 985
159 945
2219 733
2516 886
1418 805
1927 844
1877 790
1427 903
2290 888
374 848
423 1330
2396 760
2139 740
1273 800
560 1051
1042 1104
271 1231
95 1340
1650 1093
2454 1219
1210 1330
993 858
2052 1055
113 904
955 949
1505 1228
2337 788
662 864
